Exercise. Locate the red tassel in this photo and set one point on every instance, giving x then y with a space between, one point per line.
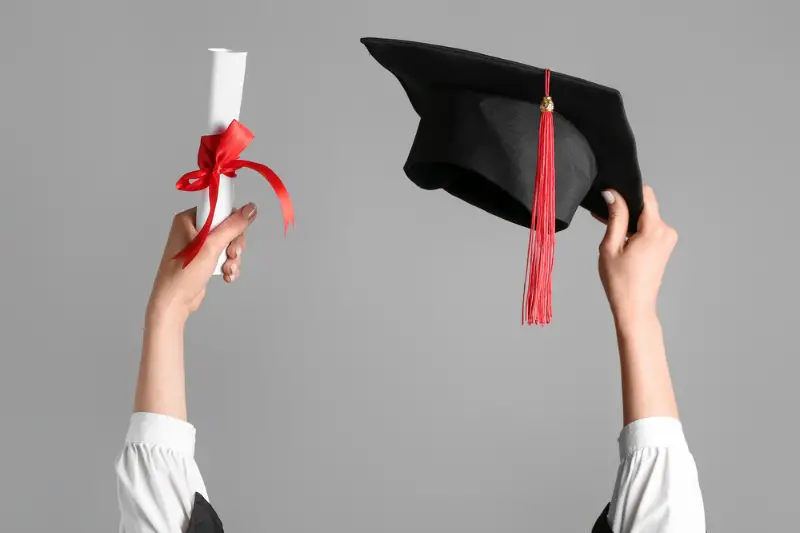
538 306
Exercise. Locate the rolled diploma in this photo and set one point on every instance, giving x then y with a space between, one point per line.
224 104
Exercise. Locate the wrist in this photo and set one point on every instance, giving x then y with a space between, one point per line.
164 316
633 320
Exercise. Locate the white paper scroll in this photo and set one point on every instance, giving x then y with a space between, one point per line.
224 104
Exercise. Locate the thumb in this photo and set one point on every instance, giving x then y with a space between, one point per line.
650 217
231 227
617 229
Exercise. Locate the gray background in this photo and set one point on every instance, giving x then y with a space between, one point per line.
368 373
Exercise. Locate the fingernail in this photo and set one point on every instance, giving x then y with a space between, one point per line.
237 252
234 270
249 211
608 196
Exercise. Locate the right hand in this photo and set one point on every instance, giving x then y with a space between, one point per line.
178 291
631 268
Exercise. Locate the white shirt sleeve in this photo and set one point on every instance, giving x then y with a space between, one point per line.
657 489
157 476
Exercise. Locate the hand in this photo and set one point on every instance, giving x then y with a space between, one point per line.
631 268
179 291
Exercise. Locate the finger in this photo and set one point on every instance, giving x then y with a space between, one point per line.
181 233
617 227
605 222
230 228
234 261
189 214
237 246
186 219
230 270
650 217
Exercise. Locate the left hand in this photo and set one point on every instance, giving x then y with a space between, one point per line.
179 291
632 267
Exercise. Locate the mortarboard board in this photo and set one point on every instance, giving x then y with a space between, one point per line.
491 135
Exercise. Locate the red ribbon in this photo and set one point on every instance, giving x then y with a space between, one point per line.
219 155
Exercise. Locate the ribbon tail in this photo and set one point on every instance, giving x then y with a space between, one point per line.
193 248
277 185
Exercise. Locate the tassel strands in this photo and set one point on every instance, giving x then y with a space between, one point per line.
537 304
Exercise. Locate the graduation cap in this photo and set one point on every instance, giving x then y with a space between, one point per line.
525 144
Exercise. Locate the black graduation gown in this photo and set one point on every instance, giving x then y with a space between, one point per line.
601 525
204 519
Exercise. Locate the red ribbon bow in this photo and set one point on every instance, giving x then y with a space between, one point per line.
219 155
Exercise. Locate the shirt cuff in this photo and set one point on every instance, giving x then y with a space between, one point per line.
161 430
652 432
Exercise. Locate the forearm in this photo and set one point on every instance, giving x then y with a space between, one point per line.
646 385
161 387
